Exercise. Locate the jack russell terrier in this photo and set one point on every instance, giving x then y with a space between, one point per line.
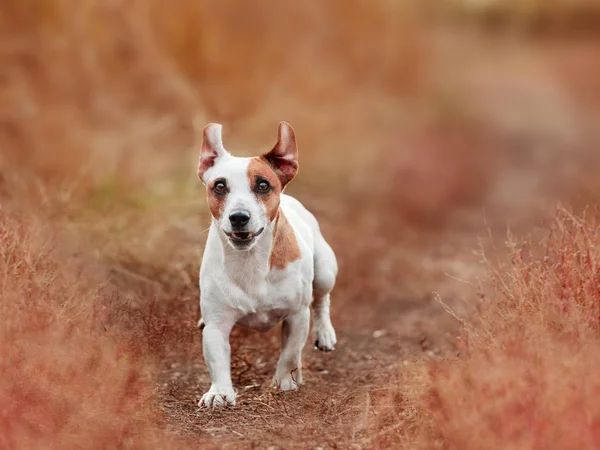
265 261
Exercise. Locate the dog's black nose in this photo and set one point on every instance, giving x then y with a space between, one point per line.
239 219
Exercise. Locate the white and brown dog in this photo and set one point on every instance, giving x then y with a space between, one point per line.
265 261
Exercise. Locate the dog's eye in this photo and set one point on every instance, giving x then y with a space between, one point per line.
263 186
220 187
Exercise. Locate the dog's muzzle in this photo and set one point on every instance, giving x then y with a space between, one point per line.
243 238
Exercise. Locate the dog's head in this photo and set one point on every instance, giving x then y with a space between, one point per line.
243 193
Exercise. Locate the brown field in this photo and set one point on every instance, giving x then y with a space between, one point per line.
450 150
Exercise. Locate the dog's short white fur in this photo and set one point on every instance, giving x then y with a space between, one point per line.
239 283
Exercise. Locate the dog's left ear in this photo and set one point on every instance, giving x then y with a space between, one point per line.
212 148
284 156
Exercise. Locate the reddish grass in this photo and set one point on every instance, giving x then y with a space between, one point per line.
523 377
67 380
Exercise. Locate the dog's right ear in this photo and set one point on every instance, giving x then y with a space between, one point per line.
212 148
283 158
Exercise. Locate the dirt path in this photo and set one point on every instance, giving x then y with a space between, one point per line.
381 320
328 410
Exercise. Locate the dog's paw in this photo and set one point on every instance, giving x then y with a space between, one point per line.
324 335
216 397
286 383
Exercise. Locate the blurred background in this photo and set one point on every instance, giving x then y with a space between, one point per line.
436 97
422 126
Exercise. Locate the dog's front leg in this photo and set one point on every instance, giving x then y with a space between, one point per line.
217 354
294 332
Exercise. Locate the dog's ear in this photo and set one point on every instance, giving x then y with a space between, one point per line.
284 156
212 148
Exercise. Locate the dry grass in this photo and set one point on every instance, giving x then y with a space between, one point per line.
522 378
102 223
67 380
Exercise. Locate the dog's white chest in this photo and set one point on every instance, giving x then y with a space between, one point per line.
263 305
264 320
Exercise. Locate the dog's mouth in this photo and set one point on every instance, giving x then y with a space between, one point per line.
243 237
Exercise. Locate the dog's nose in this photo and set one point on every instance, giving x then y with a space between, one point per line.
239 219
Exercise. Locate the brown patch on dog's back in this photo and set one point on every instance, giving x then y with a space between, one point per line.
285 246
258 169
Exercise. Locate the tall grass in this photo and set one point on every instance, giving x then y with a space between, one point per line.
68 381
523 376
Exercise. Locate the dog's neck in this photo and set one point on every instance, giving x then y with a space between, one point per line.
276 248
248 265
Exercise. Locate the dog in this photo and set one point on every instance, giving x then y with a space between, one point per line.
265 261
